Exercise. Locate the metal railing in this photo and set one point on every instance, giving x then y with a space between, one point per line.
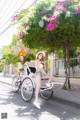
74 67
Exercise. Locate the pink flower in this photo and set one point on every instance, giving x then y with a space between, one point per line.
20 34
77 11
18 39
51 26
64 9
55 25
14 18
25 25
52 19
59 6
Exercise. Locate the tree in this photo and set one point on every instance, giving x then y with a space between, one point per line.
10 52
61 29
10 59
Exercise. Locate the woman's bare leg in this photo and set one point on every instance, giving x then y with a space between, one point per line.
38 85
49 82
50 78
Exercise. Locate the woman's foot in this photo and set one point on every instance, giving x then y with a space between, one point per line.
50 85
37 104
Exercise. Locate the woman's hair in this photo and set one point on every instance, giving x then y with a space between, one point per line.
42 56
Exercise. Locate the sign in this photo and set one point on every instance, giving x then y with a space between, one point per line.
22 53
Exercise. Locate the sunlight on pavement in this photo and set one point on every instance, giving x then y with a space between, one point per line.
48 116
73 119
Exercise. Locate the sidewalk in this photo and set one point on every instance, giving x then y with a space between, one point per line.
71 98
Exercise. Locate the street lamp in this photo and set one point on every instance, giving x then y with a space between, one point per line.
41 23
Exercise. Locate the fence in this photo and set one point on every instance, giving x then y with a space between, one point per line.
9 69
57 68
74 67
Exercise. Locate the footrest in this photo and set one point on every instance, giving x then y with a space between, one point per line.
43 87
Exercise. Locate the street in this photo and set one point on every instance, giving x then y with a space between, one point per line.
12 107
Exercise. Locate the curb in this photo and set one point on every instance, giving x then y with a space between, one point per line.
5 83
66 102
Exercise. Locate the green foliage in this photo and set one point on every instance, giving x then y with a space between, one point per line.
29 58
68 27
73 61
10 59
73 53
65 88
1 67
14 38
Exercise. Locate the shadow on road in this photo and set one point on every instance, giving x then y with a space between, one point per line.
49 111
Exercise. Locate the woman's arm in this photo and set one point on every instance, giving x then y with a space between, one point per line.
39 66
36 65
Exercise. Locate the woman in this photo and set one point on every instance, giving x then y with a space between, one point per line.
40 74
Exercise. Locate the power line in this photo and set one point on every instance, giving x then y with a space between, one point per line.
6 8
13 14
10 9
3 5
9 19
5 29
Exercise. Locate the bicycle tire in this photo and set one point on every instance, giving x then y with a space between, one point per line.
16 83
27 89
46 94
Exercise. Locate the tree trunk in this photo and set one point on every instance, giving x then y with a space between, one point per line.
67 66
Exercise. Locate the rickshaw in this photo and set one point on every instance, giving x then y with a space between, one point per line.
27 84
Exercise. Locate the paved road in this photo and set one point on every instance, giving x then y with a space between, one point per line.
16 109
